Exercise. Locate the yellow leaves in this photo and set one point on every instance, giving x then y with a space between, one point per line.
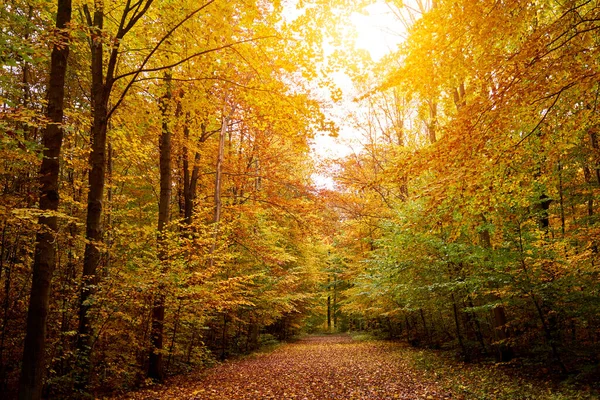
32 215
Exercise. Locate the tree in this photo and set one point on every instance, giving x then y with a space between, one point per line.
486 225
33 366
155 369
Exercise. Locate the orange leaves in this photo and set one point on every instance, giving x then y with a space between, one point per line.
315 368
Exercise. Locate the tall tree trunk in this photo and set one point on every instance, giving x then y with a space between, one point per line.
156 370
102 84
100 92
32 369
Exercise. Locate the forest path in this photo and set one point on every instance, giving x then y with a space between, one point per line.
314 368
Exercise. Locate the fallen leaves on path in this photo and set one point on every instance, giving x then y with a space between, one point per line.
318 367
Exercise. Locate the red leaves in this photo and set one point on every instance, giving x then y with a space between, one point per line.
319 368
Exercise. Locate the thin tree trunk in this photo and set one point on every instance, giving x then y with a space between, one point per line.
590 205
174 336
334 309
190 180
474 320
545 326
156 370
503 350
561 198
5 306
33 366
224 338
549 333
596 147
109 197
191 347
218 183
328 307
186 192
457 325
425 326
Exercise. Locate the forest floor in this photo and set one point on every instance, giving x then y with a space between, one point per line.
337 367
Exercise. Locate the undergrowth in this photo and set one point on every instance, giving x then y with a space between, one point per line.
488 380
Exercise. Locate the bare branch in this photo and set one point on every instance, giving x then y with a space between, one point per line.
140 70
136 16
160 42
163 67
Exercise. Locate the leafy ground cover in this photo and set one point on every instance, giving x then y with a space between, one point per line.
508 381
316 367
340 367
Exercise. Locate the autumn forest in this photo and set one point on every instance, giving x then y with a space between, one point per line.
165 206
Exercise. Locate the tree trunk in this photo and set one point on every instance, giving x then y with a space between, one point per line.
473 320
503 350
101 88
328 307
457 326
93 233
334 309
190 180
218 183
425 326
156 370
33 366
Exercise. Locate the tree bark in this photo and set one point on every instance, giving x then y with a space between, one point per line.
335 306
100 92
504 351
102 84
155 369
190 180
218 182
32 368
328 307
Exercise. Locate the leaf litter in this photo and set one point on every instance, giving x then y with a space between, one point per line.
327 367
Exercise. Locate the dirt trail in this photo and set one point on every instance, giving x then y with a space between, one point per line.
315 368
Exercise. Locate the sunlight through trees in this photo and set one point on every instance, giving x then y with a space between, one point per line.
159 210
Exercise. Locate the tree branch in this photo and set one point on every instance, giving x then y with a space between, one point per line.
139 71
154 49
